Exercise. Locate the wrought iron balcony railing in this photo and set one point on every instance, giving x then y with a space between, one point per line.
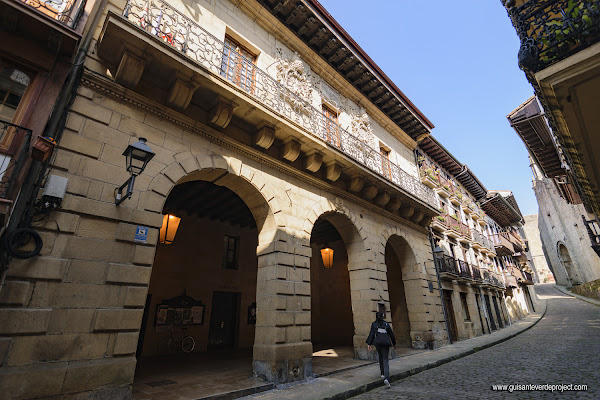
10 166
552 30
476 273
67 12
174 28
449 265
465 271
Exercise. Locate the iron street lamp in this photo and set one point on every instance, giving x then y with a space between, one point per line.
168 230
137 156
327 256
438 255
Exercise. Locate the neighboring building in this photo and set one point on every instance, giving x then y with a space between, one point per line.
483 273
560 55
536 256
569 233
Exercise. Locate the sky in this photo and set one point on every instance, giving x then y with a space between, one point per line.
457 62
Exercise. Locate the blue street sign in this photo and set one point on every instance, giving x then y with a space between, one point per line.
141 234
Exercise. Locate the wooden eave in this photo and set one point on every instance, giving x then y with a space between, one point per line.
501 210
310 22
461 172
530 124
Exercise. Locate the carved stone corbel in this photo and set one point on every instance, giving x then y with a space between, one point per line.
416 218
425 221
407 211
313 161
356 183
221 114
369 192
181 91
130 68
382 199
291 150
265 135
394 204
334 170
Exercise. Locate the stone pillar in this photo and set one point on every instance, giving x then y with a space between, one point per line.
282 347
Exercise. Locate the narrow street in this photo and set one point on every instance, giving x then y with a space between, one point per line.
562 349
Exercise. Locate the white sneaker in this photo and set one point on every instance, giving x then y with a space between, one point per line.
387 383
383 376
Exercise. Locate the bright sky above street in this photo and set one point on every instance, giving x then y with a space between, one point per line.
457 62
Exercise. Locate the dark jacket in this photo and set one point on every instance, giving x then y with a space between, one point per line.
378 324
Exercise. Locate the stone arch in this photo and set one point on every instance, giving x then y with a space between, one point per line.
399 252
223 171
366 289
567 263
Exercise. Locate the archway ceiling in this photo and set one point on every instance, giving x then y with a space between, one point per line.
207 200
324 231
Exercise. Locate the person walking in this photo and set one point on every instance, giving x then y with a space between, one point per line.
382 336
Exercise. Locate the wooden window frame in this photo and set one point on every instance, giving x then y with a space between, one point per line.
232 68
331 128
465 305
386 164
234 264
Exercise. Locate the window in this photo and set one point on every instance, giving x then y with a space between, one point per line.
330 124
13 83
238 65
230 252
386 166
465 306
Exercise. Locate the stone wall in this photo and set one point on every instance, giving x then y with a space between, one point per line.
562 228
71 317
537 259
590 289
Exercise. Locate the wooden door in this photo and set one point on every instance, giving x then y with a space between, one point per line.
223 320
450 315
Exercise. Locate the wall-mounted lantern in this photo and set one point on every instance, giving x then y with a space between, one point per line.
168 230
327 255
137 156
438 255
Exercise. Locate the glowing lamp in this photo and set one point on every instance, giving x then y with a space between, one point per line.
327 255
168 229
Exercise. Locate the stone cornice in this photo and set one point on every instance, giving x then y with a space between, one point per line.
110 88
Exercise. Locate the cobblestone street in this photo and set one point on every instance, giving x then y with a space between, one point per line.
562 348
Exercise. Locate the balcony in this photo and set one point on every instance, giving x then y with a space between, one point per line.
491 278
176 46
444 187
11 164
465 233
448 268
502 244
478 240
429 177
464 270
456 197
528 278
516 241
552 30
439 223
452 227
468 206
48 28
476 273
66 13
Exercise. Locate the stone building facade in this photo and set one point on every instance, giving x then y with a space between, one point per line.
537 258
564 236
311 151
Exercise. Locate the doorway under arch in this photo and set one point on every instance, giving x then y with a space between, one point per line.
204 284
400 261
565 259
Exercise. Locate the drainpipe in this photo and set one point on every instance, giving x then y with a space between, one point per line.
437 275
35 174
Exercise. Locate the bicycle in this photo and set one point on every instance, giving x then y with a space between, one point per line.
177 341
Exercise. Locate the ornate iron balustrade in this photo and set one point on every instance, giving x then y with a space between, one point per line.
67 12
465 272
448 264
476 273
552 30
11 166
174 28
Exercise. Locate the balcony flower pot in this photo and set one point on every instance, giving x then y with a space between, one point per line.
42 148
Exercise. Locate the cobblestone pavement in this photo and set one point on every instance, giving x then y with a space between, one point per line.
563 348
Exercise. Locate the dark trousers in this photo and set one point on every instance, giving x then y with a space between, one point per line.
383 354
